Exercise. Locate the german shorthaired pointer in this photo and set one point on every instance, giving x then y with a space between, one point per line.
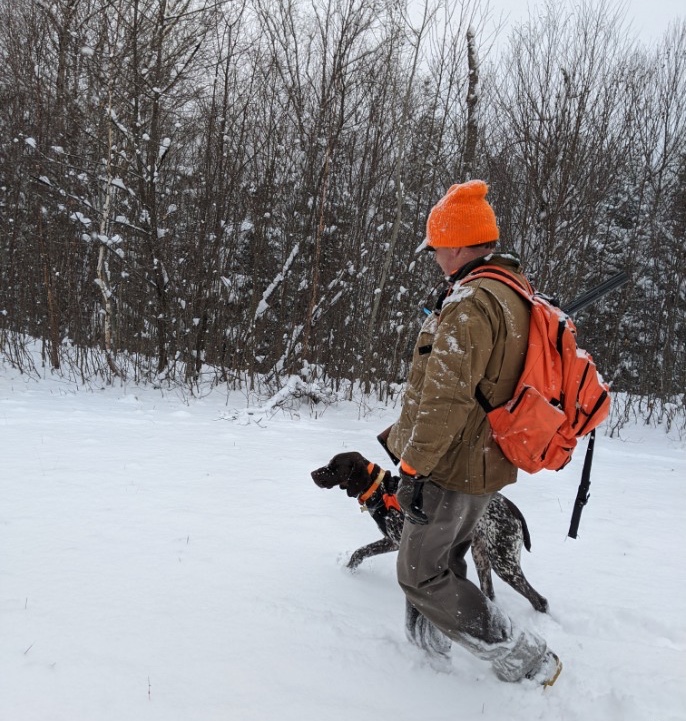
496 544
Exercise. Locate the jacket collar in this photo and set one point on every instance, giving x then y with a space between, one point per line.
506 260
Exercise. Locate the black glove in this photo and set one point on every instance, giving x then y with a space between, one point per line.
391 483
410 490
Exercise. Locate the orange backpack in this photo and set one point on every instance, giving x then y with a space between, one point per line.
560 395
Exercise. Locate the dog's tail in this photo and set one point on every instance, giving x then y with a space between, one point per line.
520 517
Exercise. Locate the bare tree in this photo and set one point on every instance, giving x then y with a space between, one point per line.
236 189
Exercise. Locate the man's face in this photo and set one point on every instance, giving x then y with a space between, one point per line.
448 259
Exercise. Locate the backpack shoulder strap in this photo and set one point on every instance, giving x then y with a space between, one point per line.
496 272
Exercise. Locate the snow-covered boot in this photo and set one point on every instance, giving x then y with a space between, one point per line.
423 634
520 656
548 672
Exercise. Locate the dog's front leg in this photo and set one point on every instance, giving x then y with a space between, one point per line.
383 545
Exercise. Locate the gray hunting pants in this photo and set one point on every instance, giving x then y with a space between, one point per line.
432 571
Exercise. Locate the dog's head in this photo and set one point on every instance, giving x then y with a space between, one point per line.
347 471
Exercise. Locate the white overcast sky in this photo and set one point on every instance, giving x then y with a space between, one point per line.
648 19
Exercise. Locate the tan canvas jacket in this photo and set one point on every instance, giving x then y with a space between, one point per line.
480 337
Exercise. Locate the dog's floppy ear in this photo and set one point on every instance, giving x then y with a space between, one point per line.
351 468
357 479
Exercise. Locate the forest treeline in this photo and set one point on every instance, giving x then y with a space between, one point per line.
237 188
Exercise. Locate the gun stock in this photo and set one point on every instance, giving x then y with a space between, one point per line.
383 440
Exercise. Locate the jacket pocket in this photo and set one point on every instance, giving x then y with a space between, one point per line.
422 352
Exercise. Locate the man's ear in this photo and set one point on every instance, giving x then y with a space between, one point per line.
458 256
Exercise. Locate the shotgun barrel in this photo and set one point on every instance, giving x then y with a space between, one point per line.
592 295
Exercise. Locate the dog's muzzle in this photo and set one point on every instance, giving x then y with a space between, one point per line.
324 477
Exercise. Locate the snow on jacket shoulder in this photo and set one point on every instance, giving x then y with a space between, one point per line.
479 338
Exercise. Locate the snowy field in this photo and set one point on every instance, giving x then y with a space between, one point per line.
161 562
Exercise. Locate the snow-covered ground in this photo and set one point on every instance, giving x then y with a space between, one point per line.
159 561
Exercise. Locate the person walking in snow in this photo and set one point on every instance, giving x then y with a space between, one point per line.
450 465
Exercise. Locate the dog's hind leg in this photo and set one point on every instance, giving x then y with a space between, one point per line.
383 545
482 564
517 580
504 533
506 564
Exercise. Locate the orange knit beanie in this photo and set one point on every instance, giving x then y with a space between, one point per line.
462 217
